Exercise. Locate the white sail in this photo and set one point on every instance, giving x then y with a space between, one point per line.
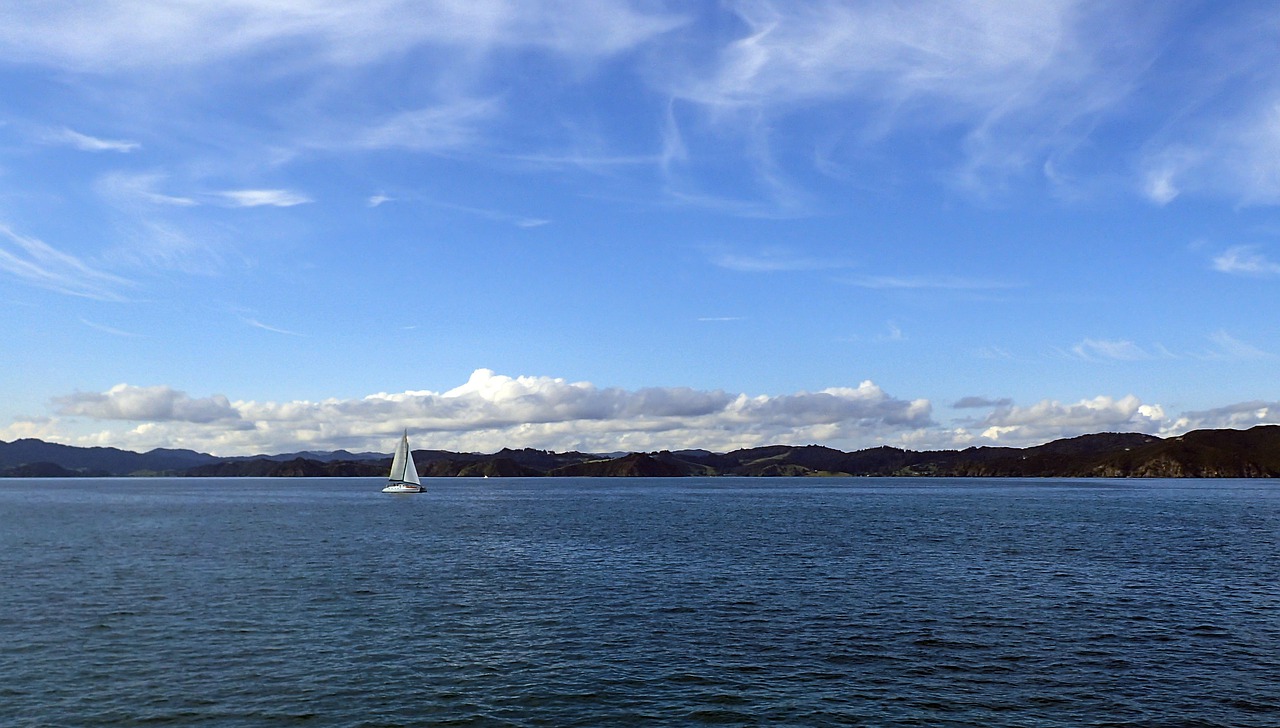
397 461
410 474
403 470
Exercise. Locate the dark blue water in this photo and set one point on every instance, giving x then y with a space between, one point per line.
547 602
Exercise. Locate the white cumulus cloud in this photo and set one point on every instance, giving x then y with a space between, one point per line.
1242 415
156 404
491 411
1048 420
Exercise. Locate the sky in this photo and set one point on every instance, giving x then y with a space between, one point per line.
265 226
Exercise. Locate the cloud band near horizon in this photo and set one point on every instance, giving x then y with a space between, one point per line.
492 411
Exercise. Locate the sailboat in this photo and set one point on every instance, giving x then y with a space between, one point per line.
404 474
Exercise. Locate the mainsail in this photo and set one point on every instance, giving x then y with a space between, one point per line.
402 468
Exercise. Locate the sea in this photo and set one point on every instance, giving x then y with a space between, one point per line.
640 602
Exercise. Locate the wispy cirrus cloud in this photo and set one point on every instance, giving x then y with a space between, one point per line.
993 353
333 57
1236 157
130 189
1022 83
109 329
263 198
1222 137
255 323
520 221
451 125
154 229
770 260
970 53
893 332
87 143
1109 349
1245 260
1230 348
1223 347
37 263
925 282
130 36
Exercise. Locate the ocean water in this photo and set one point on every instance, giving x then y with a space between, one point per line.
585 602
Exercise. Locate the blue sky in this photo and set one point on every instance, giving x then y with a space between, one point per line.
264 226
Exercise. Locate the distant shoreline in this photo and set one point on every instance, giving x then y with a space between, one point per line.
1252 453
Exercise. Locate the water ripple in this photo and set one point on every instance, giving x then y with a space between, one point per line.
586 603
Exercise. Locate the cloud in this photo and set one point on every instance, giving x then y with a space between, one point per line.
151 404
155 230
1238 416
944 282
88 143
967 52
1229 347
771 260
773 203
1163 170
154 245
40 428
520 221
1245 260
453 125
39 264
108 329
259 325
129 189
981 402
264 198
1224 150
491 411
893 333
1020 81
1225 347
1115 350
993 352
1049 420
100 37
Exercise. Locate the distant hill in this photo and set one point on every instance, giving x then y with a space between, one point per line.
295 468
319 456
1253 453
98 460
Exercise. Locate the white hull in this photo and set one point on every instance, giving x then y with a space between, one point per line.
403 488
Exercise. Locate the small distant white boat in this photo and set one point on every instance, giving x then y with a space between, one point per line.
404 474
